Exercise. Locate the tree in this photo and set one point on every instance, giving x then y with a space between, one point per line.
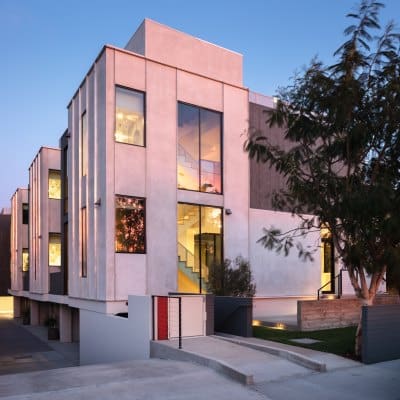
226 280
343 168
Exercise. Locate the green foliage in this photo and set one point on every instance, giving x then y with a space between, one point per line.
343 166
226 279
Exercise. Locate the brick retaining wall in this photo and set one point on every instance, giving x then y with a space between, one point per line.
337 313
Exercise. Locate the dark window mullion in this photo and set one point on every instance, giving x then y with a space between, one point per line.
199 135
200 246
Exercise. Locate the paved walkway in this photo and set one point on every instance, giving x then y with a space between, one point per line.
275 377
26 348
134 380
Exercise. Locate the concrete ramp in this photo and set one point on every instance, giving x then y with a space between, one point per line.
240 363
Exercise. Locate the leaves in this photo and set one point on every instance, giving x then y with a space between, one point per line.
343 164
236 280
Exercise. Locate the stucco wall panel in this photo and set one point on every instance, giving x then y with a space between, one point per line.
186 52
130 171
130 275
235 173
200 91
161 202
275 274
130 71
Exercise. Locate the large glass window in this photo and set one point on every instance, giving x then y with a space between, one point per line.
54 250
199 149
199 245
25 260
129 116
328 262
84 144
83 242
25 213
130 232
54 184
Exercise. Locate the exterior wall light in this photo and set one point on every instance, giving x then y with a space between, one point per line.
98 202
228 211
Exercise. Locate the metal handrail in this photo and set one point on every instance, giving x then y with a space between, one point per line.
340 285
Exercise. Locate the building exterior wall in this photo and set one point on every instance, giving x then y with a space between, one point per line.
18 237
44 218
150 171
5 226
275 274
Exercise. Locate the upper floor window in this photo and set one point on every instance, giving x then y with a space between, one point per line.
83 242
54 250
25 213
84 144
199 149
54 184
25 260
129 224
129 116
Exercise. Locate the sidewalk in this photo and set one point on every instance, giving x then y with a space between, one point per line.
25 348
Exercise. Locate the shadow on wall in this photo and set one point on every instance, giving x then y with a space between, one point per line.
233 315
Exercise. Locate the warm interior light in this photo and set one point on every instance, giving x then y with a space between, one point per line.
256 322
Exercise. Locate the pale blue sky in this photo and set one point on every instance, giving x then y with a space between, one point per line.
47 46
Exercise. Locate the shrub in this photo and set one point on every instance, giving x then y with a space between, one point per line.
231 279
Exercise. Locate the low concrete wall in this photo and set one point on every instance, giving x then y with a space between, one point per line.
233 315
108 338
380 333
337 313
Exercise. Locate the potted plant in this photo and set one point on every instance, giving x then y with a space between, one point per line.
26 317
53 332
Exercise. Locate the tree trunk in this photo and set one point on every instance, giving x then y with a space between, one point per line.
358 341
366 296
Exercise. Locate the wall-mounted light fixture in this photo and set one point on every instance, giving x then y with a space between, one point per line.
98 202
228 211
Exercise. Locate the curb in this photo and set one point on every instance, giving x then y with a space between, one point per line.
163 351
286 354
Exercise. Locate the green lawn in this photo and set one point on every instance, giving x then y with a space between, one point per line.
338 341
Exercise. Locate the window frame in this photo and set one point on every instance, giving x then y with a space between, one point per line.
144 114
54 234
83 242
144 223
221 114
25 250
84 145
200 206
51 170
25 213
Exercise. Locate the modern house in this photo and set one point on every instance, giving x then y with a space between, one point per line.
19 241
5 261
151 186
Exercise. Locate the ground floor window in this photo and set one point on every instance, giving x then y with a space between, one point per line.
199 245
328 264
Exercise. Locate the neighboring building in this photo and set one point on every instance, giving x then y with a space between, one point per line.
38 279
5 270
19 241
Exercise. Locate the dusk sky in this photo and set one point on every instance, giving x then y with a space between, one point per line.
47 46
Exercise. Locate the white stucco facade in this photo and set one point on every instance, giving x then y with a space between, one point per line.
19 238
44 218
150 172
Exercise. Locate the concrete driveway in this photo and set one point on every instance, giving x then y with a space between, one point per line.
24 349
